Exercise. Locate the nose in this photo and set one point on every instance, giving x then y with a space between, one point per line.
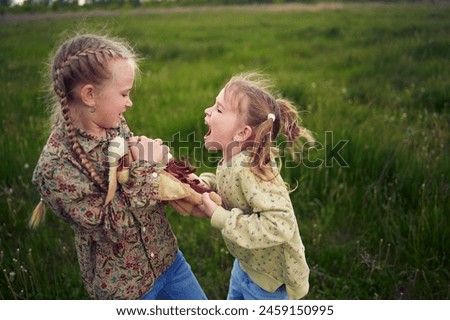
129 103
208 111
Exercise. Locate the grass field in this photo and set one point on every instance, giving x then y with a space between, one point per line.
372 82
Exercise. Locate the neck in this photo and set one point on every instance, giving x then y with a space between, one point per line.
231 150
98 132
91 128
82 120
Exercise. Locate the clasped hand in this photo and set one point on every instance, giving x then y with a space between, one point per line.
152 150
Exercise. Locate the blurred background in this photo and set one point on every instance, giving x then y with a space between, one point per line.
371 81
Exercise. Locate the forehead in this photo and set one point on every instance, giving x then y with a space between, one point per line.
221 96
234 97
223 101
122 70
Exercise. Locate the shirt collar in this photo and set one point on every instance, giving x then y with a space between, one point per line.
239 158
88 141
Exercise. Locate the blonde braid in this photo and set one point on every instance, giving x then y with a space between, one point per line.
59 90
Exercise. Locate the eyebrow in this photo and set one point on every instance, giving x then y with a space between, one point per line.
220 105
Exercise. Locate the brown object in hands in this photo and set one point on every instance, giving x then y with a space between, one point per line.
186 204
181 170
174 182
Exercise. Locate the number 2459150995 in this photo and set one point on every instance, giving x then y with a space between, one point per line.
299 310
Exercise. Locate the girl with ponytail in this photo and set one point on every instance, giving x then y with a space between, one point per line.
125 246
257 220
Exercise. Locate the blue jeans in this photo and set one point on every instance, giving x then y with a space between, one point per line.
243 288
176 283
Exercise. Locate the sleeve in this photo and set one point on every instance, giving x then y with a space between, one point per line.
271 222
210 179
72 196
142 187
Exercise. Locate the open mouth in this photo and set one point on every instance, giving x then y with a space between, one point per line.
207 133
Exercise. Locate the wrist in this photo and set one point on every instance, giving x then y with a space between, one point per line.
219 217
211 209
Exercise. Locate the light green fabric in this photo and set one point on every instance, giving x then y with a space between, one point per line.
258 224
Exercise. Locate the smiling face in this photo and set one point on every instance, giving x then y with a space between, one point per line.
109 99
113 99
224 122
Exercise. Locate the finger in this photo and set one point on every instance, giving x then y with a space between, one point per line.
135 146
166 155
135 139
199 211
206 198
179 208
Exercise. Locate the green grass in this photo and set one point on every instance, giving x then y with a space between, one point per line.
375 76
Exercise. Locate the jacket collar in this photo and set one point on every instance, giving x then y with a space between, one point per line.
88 141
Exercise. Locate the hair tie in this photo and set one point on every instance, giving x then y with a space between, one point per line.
271 116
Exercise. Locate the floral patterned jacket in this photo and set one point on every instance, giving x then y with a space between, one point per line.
122 247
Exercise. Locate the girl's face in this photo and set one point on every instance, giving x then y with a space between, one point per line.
113 99
224 122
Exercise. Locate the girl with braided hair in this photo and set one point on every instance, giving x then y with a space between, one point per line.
126 248
257 220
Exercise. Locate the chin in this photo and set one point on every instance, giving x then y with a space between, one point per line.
115 124
212 146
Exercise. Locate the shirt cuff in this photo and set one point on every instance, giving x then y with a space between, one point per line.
219 217
209 179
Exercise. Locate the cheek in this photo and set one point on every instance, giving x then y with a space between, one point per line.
109 116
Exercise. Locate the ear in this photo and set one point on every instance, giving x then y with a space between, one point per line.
244 134
87 94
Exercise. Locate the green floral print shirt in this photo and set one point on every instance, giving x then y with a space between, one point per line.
122 247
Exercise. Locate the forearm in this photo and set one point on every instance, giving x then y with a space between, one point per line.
209 179
255 230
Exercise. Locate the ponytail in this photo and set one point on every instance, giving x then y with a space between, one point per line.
260 158
268 117
291 129
285 121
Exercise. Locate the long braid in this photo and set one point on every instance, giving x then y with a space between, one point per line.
99 55
76 147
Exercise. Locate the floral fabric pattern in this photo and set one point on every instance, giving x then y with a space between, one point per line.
122 247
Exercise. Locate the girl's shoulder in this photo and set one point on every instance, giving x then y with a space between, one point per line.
57 141
242 168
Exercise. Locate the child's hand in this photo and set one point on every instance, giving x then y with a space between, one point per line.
193 177
152 150
208 206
